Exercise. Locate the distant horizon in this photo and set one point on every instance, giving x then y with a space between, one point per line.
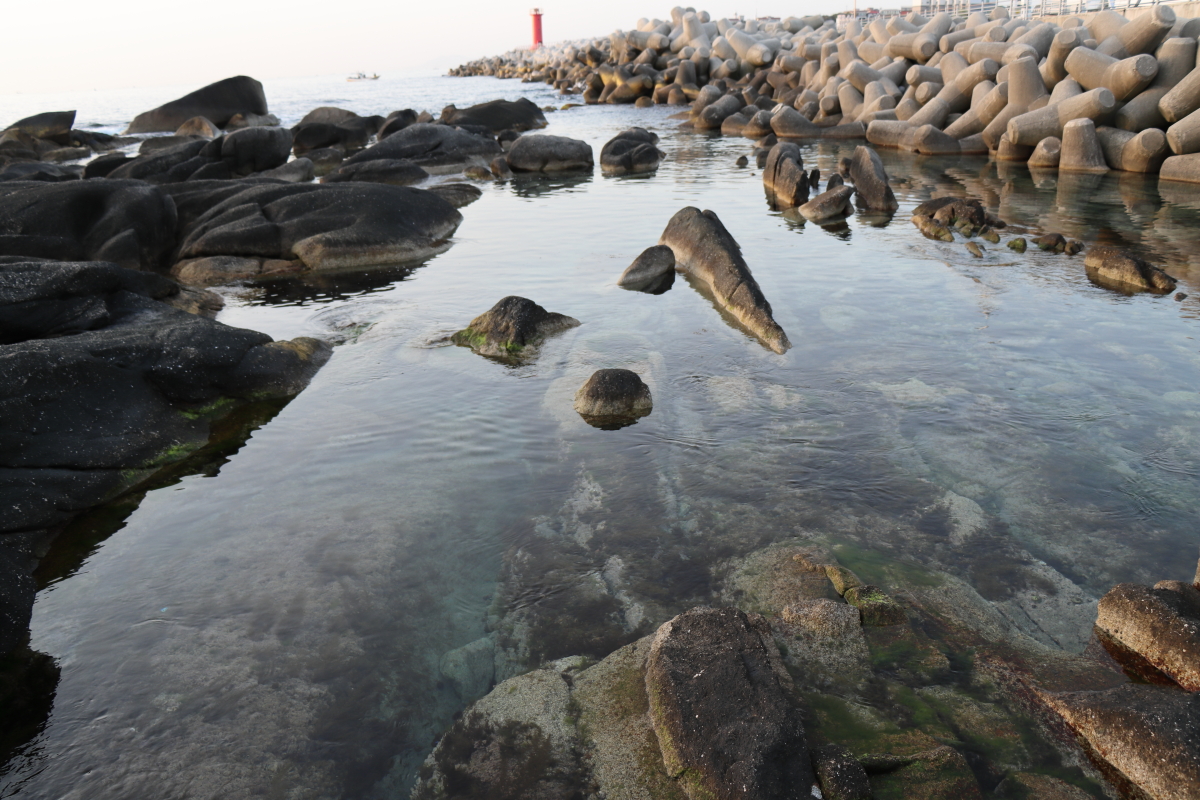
132 51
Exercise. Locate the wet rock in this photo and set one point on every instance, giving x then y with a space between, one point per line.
742 161
298 170
840 775
323 226
198 126
170 164
784 177
705 250
876 607
974 249
614 393
216 270
871 187
722 711
392 171
938 774
1160 625
1113 266
1022 785
39 171
511 326
457 194
830 204
931 229
1073 247
125 222
651 271
1144 736
1051 242
953 210
500 169
102 166
218 102
843 580
498 115
54 126
1017 244
434 148
477 173
398 121
827 636
545 153
631 152
470 668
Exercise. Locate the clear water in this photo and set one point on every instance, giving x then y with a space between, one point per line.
276 630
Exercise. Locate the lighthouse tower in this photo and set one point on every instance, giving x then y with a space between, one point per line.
537 27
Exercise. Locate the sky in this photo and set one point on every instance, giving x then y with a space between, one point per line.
77 45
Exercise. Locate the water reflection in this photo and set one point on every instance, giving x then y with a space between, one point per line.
533 186
325 287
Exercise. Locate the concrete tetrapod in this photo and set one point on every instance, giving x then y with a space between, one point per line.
705 250
1033 126
1081 151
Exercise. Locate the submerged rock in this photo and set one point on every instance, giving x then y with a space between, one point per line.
511 326
615 394
722 710
876 607
545 153
631 152
218 102
840 775
457 194
1109 265
705 250
653 271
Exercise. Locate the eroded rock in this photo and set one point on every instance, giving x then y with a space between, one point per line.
1160 625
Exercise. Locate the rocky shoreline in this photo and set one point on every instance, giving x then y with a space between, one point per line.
795 668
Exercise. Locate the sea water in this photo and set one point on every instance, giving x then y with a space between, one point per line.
276 629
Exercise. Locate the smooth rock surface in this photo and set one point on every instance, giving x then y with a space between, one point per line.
652 271
614 393
218 102
510 326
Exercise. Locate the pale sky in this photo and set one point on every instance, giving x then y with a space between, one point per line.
71 45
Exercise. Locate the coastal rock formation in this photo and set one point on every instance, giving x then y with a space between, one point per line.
256 149
509 327
1160 625
434 148
832 204
394 171
53 126
721 709
1113 267
218 102
652 272
521 114
706 251
350 136
631 152
614 394
323 226
544 153
784 178
871 187
457 194
124 222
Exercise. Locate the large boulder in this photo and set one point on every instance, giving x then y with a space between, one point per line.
1144 736
722 709
498 115
126 222
705 250
54 126
511 326
170 164
1160 625
323 226
397 121
330 115
435 148
631 152
350 136
256 149
1111 266
871 188
218 102
545 153
652 272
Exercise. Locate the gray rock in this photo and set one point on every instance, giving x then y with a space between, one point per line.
840 775
871 187
545 153
457 194
471 668
395 172
256 149
54 126
614 393
653 271
298 170
218 102
705 250
1111 266
435 148
511 326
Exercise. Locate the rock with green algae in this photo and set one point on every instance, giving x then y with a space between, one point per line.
876 607
840 775
940 773
1019 244
511 326
1028 785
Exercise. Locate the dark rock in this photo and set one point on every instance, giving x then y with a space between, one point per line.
1109 265
1161 625
1051 242
218 102
784 177
871 187
498 115
54 126
510 326
832 204
435 148
705 250
840 775
329 115
613 394
1180 297
397 121
396 172
457 194
1024 785
544 153
631 152
256 149
835 180
506 139
349 137
241 121
325 160
1145 739
500 169
164 143
164 166
65 154
743 161
325 227
298 170
877 609
103 166
653 271
125 222
721 708
41 172
937 774
951 210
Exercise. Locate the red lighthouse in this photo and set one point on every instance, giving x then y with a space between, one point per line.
537 27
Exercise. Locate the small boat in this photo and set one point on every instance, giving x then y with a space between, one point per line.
362 76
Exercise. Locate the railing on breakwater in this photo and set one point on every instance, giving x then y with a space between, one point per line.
1019 8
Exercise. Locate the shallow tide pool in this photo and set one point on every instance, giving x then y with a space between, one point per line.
277 629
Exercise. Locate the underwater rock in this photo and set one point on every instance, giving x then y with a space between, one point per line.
705 250
1111 265
511 326
1161 625
840 775
1147 736
614 393
650 271
937 774
722 710
876 607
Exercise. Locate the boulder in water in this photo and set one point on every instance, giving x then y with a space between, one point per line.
871 187
613 394
434 148
511 326
631 152
1112 266
218 102
498 115
652 272
545 153
54 126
